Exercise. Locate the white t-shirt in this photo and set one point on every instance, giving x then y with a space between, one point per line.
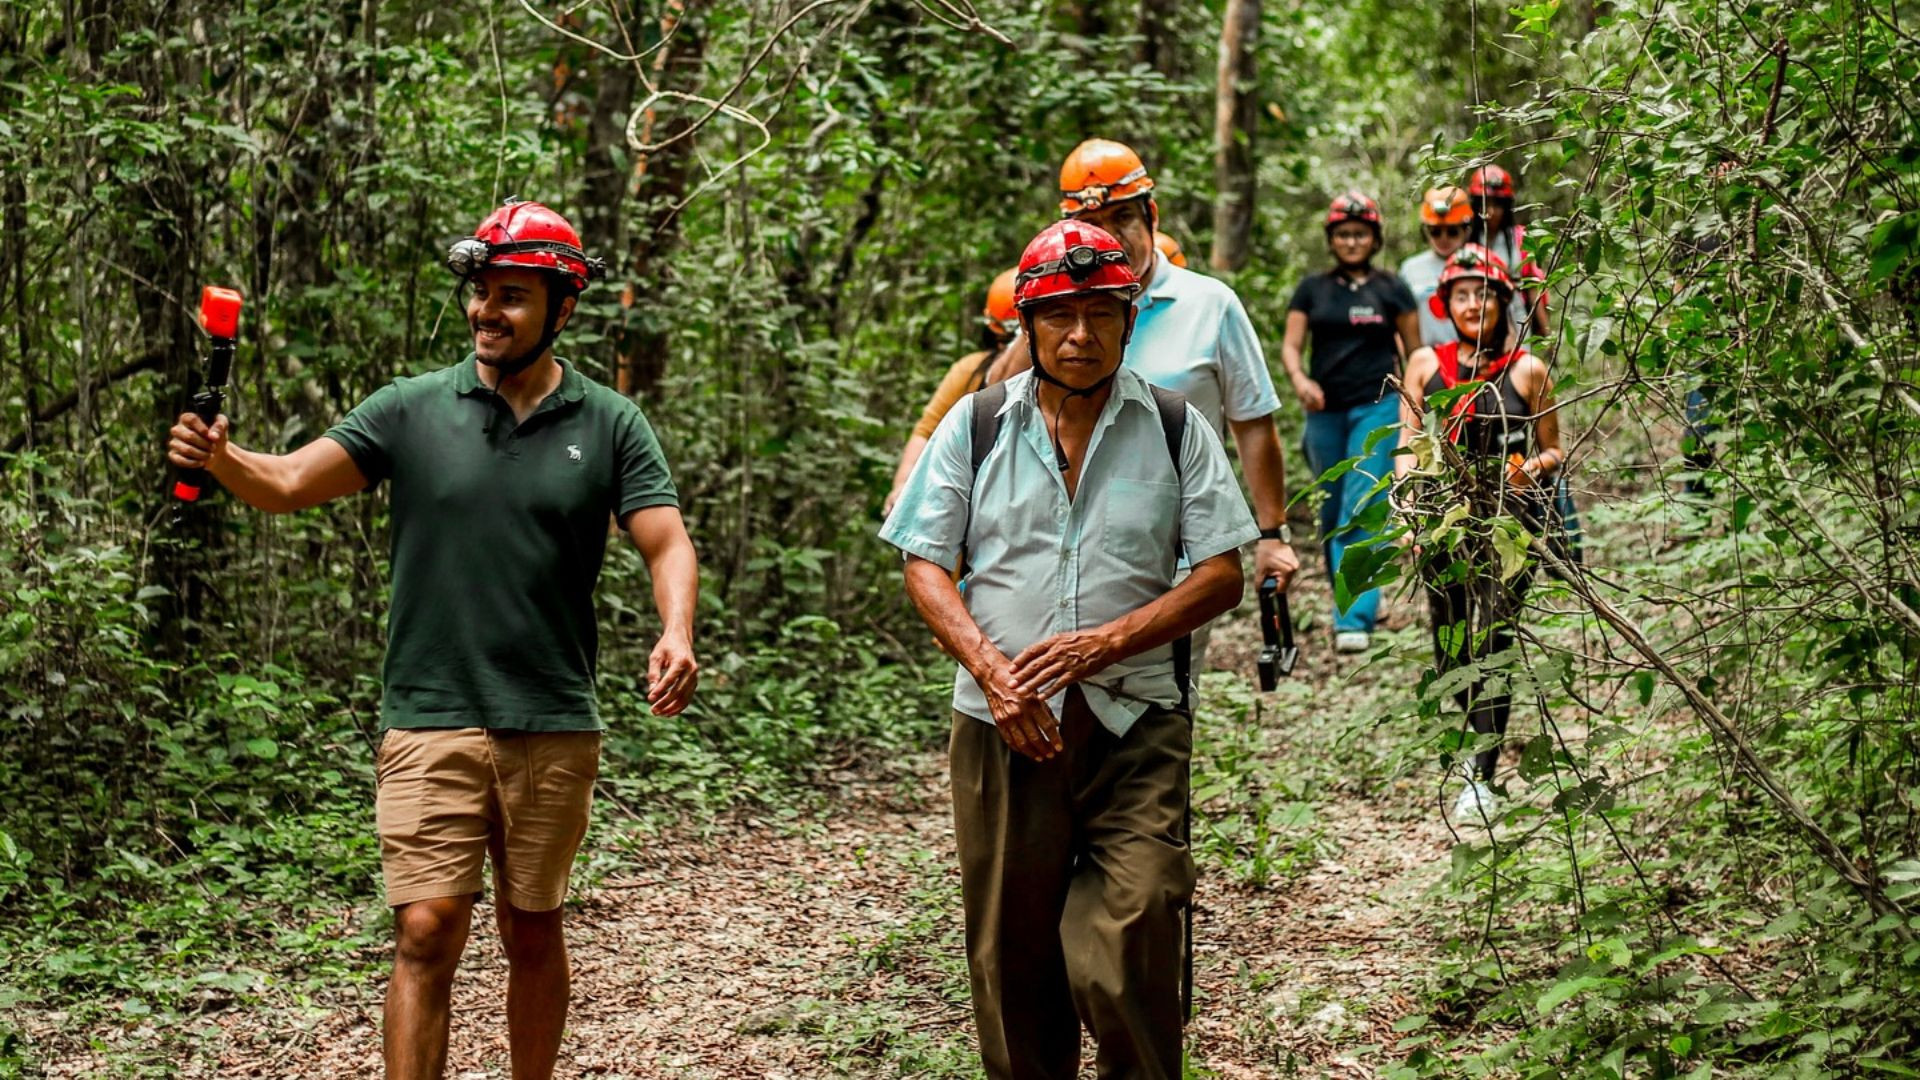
1422 274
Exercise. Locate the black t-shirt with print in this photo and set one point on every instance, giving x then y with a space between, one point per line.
1351 330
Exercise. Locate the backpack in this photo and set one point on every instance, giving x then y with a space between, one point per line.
1172 406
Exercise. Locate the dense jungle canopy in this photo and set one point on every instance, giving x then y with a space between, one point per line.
1714 866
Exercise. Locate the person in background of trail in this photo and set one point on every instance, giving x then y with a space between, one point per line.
1497 227
1190 334
1446 217
1071 737
1509 432
504 470
969 373
1361 322
1169 247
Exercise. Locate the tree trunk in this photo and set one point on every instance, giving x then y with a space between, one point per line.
1159 49
660 183
1235 115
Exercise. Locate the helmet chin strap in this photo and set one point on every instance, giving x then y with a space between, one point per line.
507 369
1040 372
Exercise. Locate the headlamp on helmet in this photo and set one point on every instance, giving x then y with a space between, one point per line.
470 255
1078 263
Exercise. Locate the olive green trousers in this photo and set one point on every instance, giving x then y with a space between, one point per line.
1074 874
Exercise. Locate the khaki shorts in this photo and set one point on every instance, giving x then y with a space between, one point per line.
449 798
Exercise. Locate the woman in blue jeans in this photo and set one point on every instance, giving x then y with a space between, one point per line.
1361 321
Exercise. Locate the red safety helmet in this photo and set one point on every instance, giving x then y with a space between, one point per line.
529 235
1000 312
1070 257
1471 261
1101 171
1490 182
1354 206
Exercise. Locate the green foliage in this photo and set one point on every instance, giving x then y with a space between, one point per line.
1709 858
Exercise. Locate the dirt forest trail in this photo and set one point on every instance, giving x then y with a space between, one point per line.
825 940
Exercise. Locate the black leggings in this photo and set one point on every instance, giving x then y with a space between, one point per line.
1483 611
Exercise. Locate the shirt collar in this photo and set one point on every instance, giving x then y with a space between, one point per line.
1161 286
573 385
1128 386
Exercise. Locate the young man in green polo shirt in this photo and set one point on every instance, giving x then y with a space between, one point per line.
504 470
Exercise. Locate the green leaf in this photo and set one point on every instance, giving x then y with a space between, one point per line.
1563 991
1510 541
1891 244
263 748
1612 952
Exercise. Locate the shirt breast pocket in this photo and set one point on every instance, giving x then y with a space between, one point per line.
1141 520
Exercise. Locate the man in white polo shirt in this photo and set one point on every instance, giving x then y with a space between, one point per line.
1190 334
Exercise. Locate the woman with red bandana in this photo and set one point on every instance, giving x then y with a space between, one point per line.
1509 434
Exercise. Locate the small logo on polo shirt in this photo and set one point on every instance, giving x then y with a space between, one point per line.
573 453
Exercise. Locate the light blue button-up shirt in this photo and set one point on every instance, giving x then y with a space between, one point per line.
1192 335
1043 564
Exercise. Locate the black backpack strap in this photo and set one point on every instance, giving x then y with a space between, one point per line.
1172 406
1173 420
986 421
979 379
986 431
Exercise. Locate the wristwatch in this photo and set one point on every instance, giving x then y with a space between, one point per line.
1280 532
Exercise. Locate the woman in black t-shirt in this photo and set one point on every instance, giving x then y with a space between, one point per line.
1361 321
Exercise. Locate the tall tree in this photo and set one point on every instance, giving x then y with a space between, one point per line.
1235 116
661 182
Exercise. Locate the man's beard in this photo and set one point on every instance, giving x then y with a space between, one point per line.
513 363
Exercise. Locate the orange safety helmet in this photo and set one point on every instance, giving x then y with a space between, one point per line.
1101 171
1170 248
1446 206
1000 312
529 235
1490 182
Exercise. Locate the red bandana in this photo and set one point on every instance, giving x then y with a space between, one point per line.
1448 356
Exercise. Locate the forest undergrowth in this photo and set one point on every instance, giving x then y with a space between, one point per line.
807 923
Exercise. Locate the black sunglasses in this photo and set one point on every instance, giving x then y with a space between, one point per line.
1446 230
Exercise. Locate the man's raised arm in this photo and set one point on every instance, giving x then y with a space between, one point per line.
275 483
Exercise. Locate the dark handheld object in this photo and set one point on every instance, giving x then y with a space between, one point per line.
1276 631
220 314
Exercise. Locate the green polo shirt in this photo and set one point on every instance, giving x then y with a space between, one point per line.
499 531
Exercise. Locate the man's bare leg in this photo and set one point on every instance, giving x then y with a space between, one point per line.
430 935
539 983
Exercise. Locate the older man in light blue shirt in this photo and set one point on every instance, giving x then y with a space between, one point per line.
1068 494
1191 334
1044 563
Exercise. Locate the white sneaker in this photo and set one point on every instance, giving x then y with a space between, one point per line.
1477 805
1351 641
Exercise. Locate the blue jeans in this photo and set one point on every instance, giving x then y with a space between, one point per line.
1332 437
1569 514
